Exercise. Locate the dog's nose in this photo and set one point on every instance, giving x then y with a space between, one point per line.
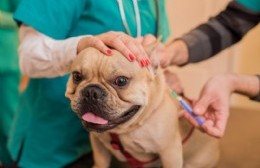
93 92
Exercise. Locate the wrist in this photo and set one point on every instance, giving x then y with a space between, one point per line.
247 85
179 52
256 97
233 82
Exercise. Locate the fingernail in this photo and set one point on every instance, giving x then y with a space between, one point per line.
147 62
142 62
109 52
197 110
131 57
196 107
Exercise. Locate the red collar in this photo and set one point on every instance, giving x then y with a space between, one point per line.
117 145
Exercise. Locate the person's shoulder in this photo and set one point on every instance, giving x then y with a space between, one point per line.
51 17
253 5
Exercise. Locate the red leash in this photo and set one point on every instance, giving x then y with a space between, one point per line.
188 135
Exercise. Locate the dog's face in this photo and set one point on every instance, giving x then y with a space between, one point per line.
106 91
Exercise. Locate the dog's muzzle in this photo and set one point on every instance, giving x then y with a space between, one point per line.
96 114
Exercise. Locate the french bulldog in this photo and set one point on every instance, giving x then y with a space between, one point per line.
131 114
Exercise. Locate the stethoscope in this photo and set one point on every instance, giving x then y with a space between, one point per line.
137 17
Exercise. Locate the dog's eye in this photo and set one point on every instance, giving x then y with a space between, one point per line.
77 77
121 81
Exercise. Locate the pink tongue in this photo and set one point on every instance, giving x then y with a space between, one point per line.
92 118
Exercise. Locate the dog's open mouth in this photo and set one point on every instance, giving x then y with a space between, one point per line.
93 122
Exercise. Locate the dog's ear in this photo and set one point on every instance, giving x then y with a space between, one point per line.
152 50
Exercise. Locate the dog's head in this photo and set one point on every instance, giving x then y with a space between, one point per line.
108 91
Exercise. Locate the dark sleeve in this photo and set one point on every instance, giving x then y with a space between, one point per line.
257 98
220 32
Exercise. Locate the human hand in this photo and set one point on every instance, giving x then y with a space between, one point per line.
176 53
171 78
130 47
213 105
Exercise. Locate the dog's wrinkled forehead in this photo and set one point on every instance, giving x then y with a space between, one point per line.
95 63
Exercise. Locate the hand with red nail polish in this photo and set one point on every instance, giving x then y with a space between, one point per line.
130 47
147 41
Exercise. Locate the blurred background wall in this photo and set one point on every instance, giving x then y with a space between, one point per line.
240 147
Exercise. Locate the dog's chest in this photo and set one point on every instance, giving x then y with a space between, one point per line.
137 144
139 147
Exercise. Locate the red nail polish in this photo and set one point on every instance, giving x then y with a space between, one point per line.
142 63
147 62
131 57
109 52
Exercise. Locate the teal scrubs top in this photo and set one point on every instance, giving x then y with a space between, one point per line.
8 38
9 75
47 134
251 4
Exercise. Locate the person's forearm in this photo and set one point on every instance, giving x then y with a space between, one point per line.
6 20
248 85
220 32
41 56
